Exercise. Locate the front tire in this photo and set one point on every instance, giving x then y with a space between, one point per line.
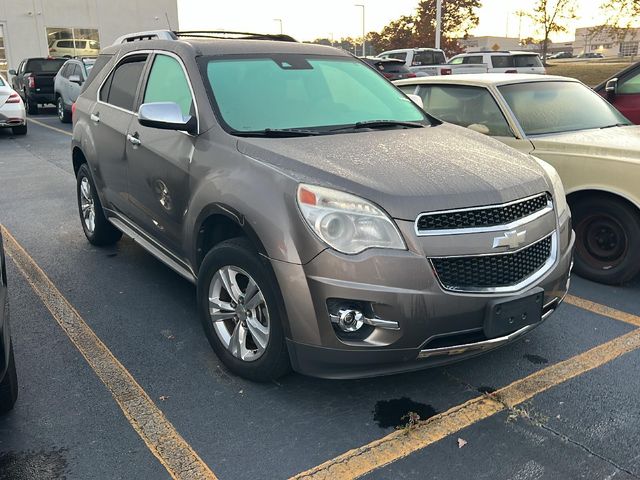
242 311
9 385
98 230
63 114
607 236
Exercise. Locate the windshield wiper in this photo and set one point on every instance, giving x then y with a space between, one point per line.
615 125
279 133
379 124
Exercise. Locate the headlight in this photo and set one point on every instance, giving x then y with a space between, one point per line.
559 198
345 222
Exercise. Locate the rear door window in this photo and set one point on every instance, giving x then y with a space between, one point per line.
527 61
630 85
502 61
466 106
120 88
472 60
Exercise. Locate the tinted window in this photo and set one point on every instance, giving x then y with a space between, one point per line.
99 64
44 65
473 60
123 84
424 58
400 56
527 61
296 91
81 44
65 44
167 83
472 107
552 107
630 85
502 61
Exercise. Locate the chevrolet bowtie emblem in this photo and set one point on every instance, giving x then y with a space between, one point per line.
511 239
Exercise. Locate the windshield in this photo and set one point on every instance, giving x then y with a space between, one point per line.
299 91
553 107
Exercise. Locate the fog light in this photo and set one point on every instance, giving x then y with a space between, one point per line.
350 320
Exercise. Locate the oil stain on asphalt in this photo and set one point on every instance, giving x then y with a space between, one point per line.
41 465
536 359
395 412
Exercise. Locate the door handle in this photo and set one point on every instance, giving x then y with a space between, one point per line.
134 140
95 118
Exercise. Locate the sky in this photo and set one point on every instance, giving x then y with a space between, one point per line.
307 20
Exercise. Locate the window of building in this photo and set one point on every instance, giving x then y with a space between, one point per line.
3 54
73 42
629 49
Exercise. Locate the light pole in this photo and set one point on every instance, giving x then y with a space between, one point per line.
279 20
364 46
438 22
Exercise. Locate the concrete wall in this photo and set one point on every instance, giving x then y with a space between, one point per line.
25 21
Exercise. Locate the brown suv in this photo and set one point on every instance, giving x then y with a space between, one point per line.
329 223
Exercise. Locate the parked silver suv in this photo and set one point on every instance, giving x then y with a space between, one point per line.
329 223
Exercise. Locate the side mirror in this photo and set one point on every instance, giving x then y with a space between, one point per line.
12 72
75 79
611 88
416 99
166 116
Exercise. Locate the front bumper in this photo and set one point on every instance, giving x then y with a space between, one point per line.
12 115
436 327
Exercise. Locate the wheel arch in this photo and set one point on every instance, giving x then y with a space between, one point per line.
576 195
78 157
216 223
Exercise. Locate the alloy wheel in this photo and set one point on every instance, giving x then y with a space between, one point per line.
239 313
87 205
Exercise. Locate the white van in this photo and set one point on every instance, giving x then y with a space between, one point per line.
70 48
502 62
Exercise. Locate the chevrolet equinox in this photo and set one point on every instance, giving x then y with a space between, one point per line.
330 224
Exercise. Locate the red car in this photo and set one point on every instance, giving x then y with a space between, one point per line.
623 92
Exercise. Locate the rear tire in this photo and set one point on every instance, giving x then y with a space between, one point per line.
63 114
607 239
30 105
9 385
259 359
21 130
98 230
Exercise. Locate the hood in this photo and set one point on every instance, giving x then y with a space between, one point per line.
409 171
614 142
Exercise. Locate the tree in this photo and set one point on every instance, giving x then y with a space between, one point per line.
550 16
419 29
622 16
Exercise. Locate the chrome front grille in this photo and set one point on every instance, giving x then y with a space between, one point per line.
485 218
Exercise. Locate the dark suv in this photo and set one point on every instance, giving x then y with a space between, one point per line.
329 223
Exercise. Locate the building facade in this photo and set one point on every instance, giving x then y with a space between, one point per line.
66 28
489 44
610 43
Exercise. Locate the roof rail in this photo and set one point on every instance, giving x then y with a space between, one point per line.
148 35
234 35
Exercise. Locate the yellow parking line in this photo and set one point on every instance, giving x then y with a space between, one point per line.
360 461
603 310
160 436
42 124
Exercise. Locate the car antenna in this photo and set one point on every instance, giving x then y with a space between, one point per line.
168 22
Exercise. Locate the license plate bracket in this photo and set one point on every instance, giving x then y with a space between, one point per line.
505 316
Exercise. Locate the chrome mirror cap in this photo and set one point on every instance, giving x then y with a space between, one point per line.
166 116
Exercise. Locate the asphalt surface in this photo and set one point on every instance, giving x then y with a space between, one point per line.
66 423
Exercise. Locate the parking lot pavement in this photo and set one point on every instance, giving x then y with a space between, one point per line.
145 315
